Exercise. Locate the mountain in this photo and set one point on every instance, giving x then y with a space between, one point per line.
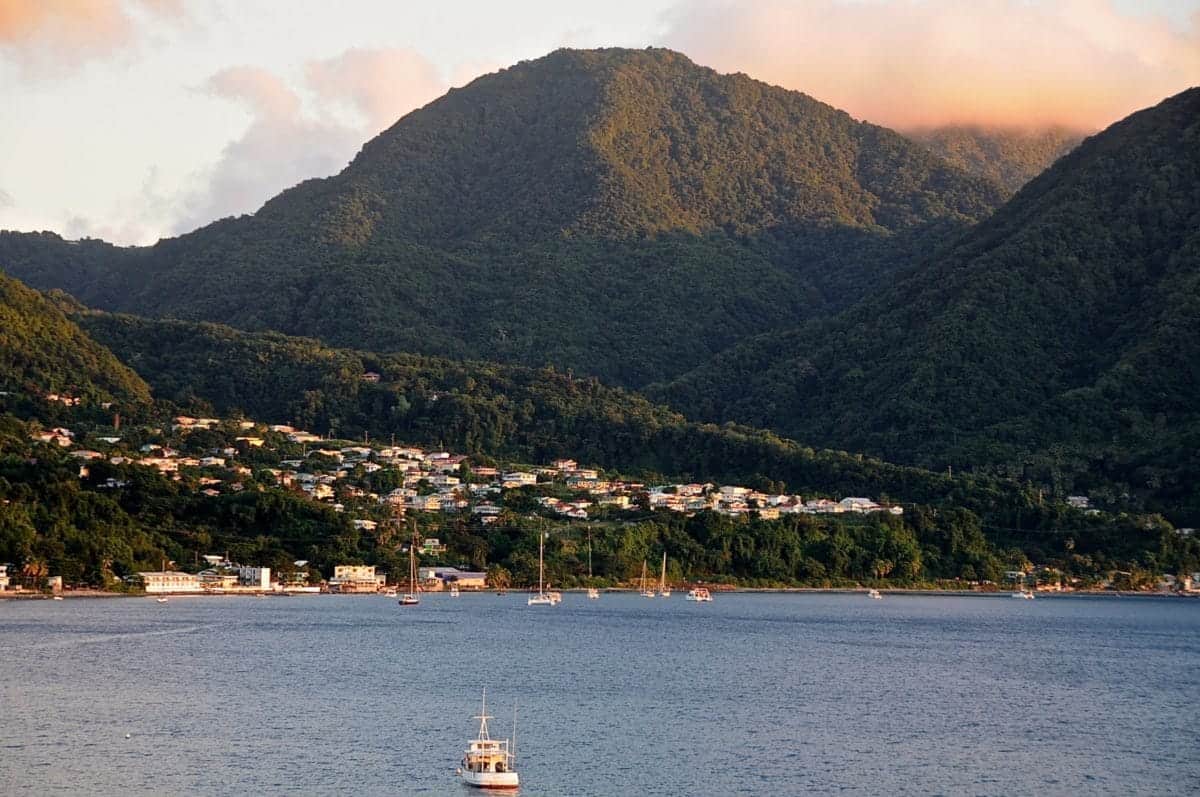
1056 342
623 213
1009 157
42 352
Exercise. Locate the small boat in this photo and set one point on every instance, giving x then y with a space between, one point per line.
411 598
541 597
874 595
57 597
646 593
490 763
390 593
160 600
593 594
663 589
1024 594
555 597
699 595
453 590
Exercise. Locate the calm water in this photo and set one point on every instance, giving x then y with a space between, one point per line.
752 694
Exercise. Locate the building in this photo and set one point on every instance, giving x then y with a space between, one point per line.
169 581
440 577
356 578
3 577
218 579
518 479
256 577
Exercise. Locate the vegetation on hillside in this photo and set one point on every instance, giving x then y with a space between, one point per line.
43 352
1008 157
625 214
1055 344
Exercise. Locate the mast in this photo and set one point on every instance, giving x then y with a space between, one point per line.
643 575
662 582
589 560
412 564
541 554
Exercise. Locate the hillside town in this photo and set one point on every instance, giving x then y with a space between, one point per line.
374 484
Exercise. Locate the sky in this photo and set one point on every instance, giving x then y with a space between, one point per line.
131 120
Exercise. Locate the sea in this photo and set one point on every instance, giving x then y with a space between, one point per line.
756 694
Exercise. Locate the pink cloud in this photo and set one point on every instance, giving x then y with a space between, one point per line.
50 37
381 85
907 63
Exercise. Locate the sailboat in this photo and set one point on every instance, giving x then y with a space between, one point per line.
663 590
490 763
453 590
411 598
592 593
646 593
541 598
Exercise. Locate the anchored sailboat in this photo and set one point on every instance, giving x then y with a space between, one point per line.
646 593
411 598
542 598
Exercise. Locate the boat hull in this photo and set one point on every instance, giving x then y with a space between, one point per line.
492 781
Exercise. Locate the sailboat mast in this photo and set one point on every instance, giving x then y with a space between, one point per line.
589 552
412 565
541 555
662 582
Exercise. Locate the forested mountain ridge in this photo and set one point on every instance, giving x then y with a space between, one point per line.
623 213
43 352
1056 342
1009 157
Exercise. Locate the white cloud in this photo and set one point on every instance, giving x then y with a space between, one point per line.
289 140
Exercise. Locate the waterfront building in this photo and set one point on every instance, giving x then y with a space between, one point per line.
356 578
164 581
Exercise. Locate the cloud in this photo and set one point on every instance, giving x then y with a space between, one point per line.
289 140
907 63
381 85
52 37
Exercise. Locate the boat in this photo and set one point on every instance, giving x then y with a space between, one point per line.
646 593
663 590
874 595
453 590
490 763
1024 594
593 593
160 600
390 593
699 595
541 597
58 597
411 598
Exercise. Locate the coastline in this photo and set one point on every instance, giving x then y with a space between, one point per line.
899 591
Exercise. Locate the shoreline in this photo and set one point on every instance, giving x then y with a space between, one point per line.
899 591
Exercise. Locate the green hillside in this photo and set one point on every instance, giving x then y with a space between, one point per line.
513 412
1056 343
622 213
1008 157
43 352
